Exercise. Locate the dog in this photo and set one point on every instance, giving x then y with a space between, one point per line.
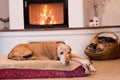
49 51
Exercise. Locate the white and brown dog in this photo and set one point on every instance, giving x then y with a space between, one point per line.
49 51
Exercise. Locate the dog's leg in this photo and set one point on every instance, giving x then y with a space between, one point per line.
84 62
21 53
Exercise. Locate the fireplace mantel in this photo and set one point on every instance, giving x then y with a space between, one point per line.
57 31
52 29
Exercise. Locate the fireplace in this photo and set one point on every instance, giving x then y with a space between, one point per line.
75 14
45 13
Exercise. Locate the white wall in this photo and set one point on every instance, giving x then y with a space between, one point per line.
4 8
76 13
111 15
4 11
77 39
16 14
88 13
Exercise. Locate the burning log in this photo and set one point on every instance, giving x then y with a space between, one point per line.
48 20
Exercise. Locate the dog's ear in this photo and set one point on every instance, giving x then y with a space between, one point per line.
60 42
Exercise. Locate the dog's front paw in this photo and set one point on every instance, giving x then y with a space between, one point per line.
88 66
92 68
85 62
87 70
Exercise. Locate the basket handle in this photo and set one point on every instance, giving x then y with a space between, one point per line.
117 38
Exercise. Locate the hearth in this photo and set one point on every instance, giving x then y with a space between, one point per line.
45 13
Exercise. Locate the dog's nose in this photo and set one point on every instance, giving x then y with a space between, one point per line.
67 62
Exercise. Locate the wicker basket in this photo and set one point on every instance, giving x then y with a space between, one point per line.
100 49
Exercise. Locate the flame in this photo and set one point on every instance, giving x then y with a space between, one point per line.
47 17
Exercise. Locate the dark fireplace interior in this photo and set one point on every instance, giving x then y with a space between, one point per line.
45 13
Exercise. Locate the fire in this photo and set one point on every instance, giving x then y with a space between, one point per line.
47 17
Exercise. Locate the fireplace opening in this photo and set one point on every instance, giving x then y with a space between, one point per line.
45 13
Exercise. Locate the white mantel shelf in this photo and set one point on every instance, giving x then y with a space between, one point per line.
52 29
57 31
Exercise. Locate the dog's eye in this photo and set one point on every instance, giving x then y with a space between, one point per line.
69 52
61 53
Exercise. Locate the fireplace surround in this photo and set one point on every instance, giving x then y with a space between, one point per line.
45 13
75 14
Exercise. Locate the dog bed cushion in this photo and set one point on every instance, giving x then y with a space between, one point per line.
26 69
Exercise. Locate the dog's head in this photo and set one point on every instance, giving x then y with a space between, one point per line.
64 52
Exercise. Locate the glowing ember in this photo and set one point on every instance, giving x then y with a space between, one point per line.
47 17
